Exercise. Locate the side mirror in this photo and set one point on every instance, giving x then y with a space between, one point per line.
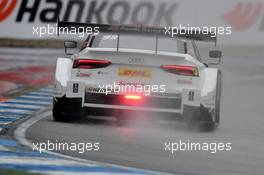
215 54
69 45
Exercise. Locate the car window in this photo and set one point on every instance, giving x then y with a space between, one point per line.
190 49
137 42
170 45
142 42
105 41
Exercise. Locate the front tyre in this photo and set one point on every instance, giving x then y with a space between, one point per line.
66 109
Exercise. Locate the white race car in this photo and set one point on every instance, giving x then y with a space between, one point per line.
121 70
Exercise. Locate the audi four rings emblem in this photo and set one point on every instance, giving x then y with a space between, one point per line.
136 60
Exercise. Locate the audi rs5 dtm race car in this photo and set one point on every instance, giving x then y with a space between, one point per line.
130 68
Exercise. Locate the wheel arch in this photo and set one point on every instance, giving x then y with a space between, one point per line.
63 71
209 81
62 76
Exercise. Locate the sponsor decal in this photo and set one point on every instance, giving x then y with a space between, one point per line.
165 94
191 96
123 83
92 89
102 73
184 81
75 88
135 73
89 73
83 75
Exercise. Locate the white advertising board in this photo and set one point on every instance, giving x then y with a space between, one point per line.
18 17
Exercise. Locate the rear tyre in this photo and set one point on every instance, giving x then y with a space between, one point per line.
198 118
206 122
66 110
218 99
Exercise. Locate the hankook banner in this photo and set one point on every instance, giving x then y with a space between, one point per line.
246 18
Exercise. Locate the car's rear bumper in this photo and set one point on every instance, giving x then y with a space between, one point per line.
169 102
133 108
147 103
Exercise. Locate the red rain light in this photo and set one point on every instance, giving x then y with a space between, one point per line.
133 97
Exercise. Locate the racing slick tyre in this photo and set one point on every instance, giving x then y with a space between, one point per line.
66 110
218 99
198 118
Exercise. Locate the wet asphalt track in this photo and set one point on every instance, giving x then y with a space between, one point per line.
141 145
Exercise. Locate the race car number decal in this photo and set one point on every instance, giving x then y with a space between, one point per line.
137 73
75 88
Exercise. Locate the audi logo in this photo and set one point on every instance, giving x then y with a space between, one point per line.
136 60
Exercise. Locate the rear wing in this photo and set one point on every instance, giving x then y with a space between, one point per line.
140 30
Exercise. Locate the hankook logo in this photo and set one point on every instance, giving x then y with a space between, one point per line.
6 8
103 11
244 15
